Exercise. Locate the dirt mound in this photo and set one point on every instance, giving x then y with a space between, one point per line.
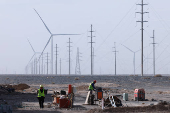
158 75
21 86
163 107
83 87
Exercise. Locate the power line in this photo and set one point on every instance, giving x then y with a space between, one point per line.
115 28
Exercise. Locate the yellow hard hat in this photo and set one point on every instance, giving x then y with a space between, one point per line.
41 85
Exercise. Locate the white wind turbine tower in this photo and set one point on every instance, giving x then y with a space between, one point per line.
51 38
134 52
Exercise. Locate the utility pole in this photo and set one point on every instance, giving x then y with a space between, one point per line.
56 58
69 55
34 66
60 66
77 70
42 65
47 63
39 67
36 63
153 52
93 60
115 55
91 49
44 68
142 21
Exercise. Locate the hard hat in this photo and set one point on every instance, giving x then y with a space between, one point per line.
94 81
41 85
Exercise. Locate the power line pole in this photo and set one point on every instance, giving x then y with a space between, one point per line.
42 65
115 55
93 60
153 52
47 63
142 21
56 58
91 49
77 70
39 67
69 55
60 66
34 66
44 68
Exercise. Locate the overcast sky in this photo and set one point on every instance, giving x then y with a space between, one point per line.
112 20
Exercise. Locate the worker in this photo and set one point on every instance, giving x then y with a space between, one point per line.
92 87
41 96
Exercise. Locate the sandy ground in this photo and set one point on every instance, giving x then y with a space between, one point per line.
25 101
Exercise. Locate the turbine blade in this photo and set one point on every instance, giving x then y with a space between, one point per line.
127 48
31 46
65 34
45 47
43 22
31 59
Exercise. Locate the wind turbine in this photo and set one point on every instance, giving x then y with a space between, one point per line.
33 54
51 38
134 52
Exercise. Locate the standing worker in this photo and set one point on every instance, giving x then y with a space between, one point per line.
41 96
92 87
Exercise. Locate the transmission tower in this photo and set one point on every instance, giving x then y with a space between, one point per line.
142 21
115 55
77 70
91 48
69 46
153 52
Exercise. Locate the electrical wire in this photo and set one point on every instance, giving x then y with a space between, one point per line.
115 27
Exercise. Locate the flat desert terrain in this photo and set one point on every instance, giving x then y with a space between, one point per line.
23 100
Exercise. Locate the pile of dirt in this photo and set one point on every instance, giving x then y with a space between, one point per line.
161 107
158 75
21 86
83 87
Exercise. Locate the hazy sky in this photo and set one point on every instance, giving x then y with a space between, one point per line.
113 21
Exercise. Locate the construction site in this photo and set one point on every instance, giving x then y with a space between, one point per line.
113 94
86 56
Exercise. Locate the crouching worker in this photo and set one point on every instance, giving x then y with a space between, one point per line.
41 96
92 87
